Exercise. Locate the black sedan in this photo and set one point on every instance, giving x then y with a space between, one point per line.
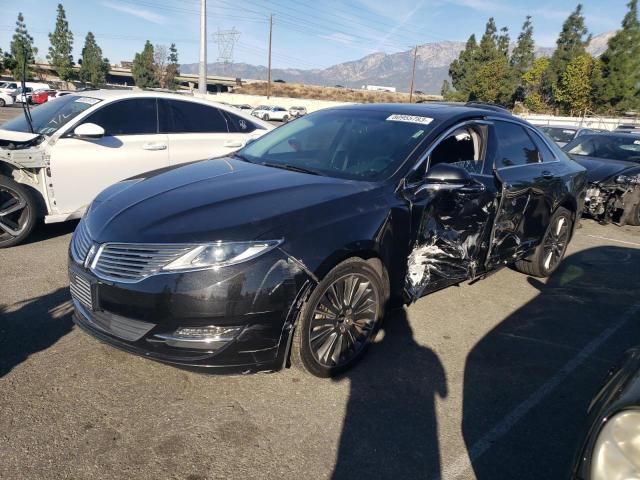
612 161
610 448
292 248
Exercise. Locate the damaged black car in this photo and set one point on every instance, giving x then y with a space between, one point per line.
612 161
291 249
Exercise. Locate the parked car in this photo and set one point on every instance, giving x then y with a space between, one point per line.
40 96
295 112
562 134
612 161
84 142
8 88
628 128
610 447
5 99
267 112
293 246
30 87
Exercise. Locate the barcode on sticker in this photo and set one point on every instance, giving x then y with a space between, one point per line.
409 119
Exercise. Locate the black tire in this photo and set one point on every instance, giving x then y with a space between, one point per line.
634 218
2 103
314 318
265 117
285 119
548 255
20 221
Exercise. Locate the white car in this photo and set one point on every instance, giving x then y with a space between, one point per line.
30 87
86 141
8 87
266 113
296 112
5 99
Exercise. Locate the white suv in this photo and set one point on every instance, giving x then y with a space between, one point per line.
267 113
86 141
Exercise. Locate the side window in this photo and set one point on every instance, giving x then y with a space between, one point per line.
178 116
464 148
134 116
546 155
513 146
238 123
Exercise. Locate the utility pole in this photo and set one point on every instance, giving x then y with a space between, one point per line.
413 73
269 74
202 66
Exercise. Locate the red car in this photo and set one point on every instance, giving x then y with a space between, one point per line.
41 96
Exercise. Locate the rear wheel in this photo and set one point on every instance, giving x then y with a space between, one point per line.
2 103
339 320
17 212
285 119
551 250
265 117
634 218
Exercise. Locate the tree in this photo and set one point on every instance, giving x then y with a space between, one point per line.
573 91
61 46
620 68
22 49
462 69
492 82
93 67
143 67
503 41
488 48
523 54
533 85
173 69
160 59
571 43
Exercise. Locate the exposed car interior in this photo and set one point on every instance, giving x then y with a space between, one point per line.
463 148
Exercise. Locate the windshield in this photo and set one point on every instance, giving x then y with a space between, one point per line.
52 115
606 146
345 143
557 134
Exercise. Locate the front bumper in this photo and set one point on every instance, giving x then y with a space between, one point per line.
259 298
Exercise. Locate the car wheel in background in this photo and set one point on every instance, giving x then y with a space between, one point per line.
2 103
18 209
634 218
285 119
265 117
339 320
551 250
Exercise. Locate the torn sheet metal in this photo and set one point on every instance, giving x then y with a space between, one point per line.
451 238
614 202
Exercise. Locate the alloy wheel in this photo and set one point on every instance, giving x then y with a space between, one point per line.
14 215
555 243
343 320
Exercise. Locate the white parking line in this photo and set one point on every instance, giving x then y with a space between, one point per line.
463 463
614 240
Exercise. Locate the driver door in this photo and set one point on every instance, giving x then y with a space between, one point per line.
452 221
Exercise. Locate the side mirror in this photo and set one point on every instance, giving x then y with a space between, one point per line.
89 130
445 177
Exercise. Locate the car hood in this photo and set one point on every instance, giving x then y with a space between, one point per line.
603 169
220 199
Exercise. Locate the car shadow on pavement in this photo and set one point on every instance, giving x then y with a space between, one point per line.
529 381
390 427
44 231
34 325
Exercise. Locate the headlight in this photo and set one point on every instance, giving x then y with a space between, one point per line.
220 254
616 454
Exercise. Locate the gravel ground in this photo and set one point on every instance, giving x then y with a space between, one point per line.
489 381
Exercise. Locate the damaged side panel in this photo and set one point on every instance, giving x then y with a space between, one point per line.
614 202
451 240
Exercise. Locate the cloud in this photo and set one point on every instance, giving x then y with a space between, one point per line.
147 15
339 38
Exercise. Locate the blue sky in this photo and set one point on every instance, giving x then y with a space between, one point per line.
307 33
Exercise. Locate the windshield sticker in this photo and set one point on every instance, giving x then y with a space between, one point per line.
409 119
87 100
568 131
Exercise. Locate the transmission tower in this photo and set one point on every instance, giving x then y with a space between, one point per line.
226 40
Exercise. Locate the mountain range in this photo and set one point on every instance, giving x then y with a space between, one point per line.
379 68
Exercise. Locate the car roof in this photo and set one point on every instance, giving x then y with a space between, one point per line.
566 127
437 111
617 134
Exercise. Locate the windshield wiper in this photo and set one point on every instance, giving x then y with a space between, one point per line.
292 168
241 157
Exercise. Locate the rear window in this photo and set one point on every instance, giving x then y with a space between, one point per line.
606 146
178 116
562 135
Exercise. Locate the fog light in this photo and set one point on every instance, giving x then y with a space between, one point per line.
203 338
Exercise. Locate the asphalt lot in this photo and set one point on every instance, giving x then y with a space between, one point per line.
488 381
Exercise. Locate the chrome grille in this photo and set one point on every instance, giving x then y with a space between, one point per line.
80 290
80 243
133 262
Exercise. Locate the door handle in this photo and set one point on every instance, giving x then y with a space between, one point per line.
233 144
154 146
547 174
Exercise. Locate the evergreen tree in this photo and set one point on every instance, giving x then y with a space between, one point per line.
462 69
488 48
22 49
143 67
523 53
173 68
61 46
620 85
445 90
571 43
533 85
93 67
573 91
503 41
492 82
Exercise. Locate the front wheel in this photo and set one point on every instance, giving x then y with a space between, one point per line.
285 119
17 212
339 320
265 117
2 102
551 250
